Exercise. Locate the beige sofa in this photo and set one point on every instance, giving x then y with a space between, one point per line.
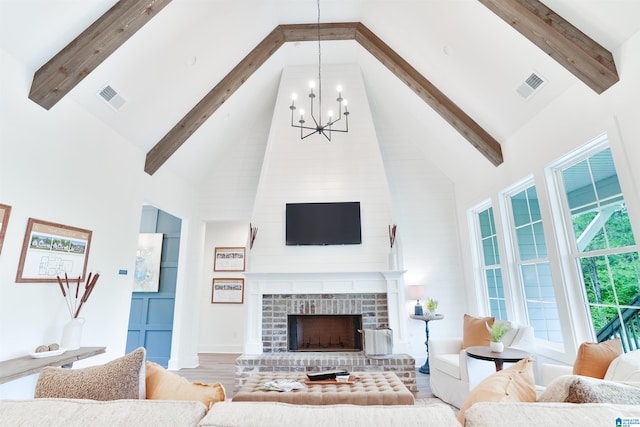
154 413
158 413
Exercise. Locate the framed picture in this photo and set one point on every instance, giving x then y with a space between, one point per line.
146 276
227 291
5 211
50 250
229 259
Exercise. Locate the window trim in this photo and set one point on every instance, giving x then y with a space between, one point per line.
513 261
581 322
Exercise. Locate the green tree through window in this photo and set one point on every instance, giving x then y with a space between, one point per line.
605 248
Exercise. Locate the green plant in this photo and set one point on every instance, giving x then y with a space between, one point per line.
431 304
498 330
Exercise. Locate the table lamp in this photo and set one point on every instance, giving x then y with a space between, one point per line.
416 292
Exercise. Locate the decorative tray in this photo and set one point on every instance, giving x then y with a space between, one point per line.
47 353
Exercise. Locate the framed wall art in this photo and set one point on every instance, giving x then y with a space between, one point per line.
5 211
227 291
50 250
229 259
146 277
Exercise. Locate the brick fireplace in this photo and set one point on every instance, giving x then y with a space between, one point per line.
278 309
378 297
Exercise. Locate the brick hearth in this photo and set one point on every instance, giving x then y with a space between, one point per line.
402 365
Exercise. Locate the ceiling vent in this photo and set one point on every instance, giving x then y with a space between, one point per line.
109 95
531 85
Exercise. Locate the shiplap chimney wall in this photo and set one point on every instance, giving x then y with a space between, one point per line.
349 168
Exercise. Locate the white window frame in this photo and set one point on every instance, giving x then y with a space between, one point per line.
549 348
576 293
479 268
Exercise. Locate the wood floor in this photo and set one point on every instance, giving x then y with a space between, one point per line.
219 367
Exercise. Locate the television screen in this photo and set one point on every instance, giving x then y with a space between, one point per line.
323 224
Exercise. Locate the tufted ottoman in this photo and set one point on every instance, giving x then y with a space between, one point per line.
373 388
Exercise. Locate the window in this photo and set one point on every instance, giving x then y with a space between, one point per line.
490 263
602 243
533 265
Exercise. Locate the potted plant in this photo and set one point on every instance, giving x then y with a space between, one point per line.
498 330
431 305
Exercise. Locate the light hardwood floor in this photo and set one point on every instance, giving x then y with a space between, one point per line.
220 367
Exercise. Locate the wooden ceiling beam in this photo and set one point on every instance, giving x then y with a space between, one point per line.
457 118
177 136
87 51
570 47
430 94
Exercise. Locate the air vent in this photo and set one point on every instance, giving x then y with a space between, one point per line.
532 84
109 95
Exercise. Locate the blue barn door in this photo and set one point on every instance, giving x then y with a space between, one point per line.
151 315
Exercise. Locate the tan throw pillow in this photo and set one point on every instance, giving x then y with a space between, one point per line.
513 384
593 359
164 385
474 331
122 378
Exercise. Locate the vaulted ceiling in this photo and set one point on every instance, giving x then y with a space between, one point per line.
176 63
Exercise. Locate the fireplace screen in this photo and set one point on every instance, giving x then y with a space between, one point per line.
309 332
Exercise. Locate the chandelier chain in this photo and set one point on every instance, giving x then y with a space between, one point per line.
319 70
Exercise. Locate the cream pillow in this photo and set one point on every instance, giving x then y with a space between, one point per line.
593 359
625 367
164 385
513 384
122 378
474 330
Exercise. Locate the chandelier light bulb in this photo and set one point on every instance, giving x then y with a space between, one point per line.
294 96
301 112
339 88
330 113
345 102
312 84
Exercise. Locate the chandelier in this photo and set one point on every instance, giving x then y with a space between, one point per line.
320 127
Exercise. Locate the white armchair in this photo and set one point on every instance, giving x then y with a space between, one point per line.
453 374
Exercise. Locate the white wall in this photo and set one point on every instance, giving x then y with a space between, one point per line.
393 178
221 325
574 119
348 169
64 166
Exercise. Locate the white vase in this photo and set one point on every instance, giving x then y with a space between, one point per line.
72 334
496 347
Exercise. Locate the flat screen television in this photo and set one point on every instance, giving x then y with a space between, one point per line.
323 224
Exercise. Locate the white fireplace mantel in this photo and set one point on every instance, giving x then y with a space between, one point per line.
259 284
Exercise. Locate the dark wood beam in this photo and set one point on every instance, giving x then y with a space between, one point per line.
80 57
168 145
430 94
309 32
574 50
480 139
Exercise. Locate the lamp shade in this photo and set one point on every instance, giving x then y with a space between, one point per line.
415 292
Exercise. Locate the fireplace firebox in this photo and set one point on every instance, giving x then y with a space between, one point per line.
309 332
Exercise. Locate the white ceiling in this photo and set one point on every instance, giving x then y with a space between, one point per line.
469 53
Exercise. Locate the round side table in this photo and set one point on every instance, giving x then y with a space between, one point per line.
509 355
424 369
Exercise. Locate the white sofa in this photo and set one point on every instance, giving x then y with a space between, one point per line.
453 374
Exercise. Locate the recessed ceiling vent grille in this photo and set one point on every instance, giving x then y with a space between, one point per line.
531 85
109 95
